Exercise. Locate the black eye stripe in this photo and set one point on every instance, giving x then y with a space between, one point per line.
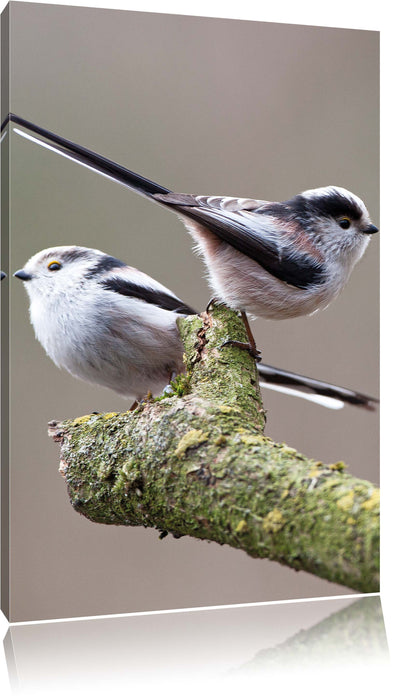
104 264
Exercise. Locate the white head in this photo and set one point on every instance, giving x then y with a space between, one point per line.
337 220
69 270
63 268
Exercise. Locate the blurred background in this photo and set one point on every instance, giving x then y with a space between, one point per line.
200 105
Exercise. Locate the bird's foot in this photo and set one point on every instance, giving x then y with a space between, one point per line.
214 302
251 349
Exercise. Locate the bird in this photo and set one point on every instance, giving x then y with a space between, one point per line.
2 275
103 321
276 260
111 324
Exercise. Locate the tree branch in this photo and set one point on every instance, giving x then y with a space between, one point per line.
197 463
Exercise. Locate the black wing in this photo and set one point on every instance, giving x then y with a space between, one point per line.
246 225
150 296
246 230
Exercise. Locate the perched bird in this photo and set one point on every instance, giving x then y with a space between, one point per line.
2 275
111 324
276 260
103 321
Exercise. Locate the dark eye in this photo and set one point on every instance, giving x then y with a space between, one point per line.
54 265
345 222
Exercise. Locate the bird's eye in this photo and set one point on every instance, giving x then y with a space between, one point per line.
54 265
344 222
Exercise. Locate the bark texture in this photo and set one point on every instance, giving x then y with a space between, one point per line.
197 463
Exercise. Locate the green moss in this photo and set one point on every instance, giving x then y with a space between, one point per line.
105 470
288 450
191 439
220 440
373 501
338 466
82 419
249 439
241 527
346 502
315 473
239 487
273 521
181 384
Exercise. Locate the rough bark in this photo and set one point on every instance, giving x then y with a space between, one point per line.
197 463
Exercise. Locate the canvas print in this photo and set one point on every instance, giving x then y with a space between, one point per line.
190 235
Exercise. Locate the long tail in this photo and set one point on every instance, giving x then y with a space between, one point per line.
315 390
270 377
86 157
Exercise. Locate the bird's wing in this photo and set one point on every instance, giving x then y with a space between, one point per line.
264 231
131 282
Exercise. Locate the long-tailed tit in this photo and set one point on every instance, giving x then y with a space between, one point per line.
277 260
103 321
111 324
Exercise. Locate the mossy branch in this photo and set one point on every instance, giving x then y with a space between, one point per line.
197 463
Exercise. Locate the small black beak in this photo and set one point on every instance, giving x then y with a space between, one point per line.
22 275
370 229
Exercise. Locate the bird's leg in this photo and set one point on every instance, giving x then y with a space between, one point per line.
251 345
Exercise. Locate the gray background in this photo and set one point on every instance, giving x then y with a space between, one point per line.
206 106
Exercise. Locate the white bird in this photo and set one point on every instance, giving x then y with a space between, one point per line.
111 324
277 260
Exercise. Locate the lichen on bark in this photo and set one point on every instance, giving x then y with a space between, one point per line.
197 463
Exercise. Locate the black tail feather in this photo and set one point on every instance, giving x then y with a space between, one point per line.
88 157
267 373
273 375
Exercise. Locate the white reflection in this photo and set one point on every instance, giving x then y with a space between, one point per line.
192 651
